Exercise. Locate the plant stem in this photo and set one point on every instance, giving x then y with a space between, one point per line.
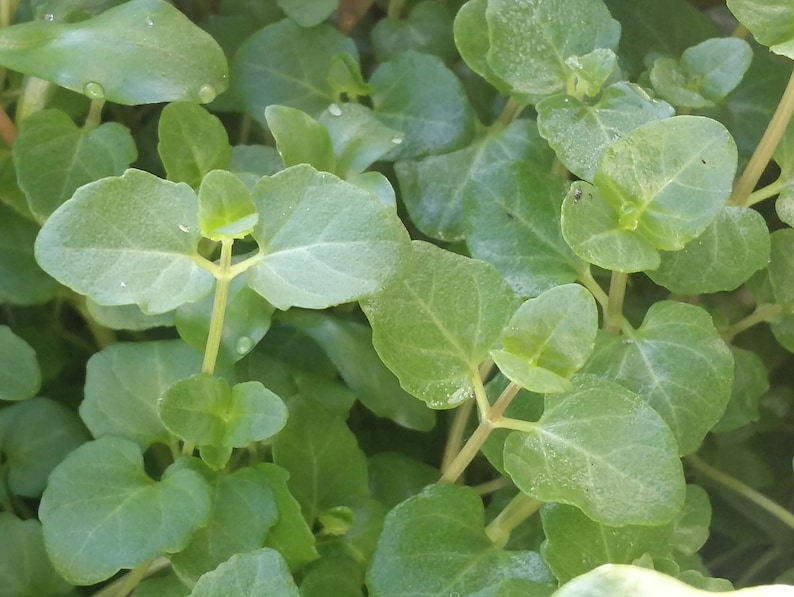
586 279
125 584
492 486
477 439
8 130
510 112
743 490
456 432
94 117
614 311
222 282
761 314
769 190
517 511
766 148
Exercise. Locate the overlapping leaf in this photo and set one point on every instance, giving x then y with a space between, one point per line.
22 282
770 21
249 574
20 375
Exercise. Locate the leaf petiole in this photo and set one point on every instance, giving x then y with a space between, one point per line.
517 511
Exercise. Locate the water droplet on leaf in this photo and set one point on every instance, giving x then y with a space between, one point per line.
49 17
243 345
334 110
397 139
123 284
184 228
206 94
149 21
94 90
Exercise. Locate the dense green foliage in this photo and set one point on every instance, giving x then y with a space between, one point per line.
325 298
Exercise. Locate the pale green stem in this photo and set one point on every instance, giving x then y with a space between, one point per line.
222 282
587 280
472 447
743 490
515 424
492 486
127 583
756 567
766 148
456 432
34 96
766 192
94 117
760 315
510 112
614 311
517 511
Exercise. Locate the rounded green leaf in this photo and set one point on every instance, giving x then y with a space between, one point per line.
677 363
529 45
781 266
225 207
473 43
668 179
416 94
53 157
322 241
512 221
124 382
127 317
20 375
300 138
130 39
434 544
252 574
25 569
731 249
22 282
628 475
207 411
131 239
427 29
101 512
691 528
435 326
591 226
192 142
35 436
579 131
308 13
434 188
286 64
770 21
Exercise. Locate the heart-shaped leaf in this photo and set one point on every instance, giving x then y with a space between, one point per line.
225 207
252 574
101 512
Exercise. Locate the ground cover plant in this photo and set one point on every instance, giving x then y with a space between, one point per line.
396 298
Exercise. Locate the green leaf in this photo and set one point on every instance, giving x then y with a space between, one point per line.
589 73
529 48
630 475
300 138
165 584
732 248
435 326
770 21
551 334
53 157
691 527
25 570
101 512
473 43
243 510
208 411
677 363
308 13
127 317
288 65
139 231
394 477
124 382
781 265
512 220
579 131
619 579
416 94
591 226
434 544
325 464
433 189
20 376
130 39
357 136
349 346
749 384
225 207
22 282
705 74
426 29
192 143
252 574
290 535
246 320
322 241
575 544
255 160
337 574
35 436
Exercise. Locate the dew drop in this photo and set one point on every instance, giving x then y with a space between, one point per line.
94 90
149 22
123 284
243 345
206 94
49 17
334 110
184 228
397 139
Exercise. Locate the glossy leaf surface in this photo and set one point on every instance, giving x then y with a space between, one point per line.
770 22
434 327
90 533
300 139
140 231
130 38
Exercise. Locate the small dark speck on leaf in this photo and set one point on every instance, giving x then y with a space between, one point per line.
577 194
